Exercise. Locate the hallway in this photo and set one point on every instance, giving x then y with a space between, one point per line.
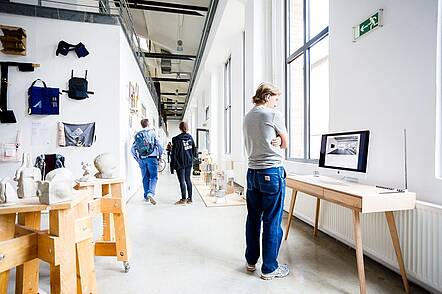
194 249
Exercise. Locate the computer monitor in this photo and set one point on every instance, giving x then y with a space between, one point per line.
345 151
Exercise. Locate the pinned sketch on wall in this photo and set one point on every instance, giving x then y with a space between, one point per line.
143 111
134 103
39 134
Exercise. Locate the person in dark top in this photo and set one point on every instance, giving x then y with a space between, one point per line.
168 149
182 155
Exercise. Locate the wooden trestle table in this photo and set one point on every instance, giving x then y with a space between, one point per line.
64 246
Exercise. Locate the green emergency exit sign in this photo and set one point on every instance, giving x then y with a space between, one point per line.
371 23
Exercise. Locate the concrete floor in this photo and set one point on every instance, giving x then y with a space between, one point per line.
194 249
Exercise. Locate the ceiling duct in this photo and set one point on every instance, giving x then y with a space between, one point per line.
166 64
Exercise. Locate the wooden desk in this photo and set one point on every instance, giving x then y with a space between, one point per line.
23 244
360 199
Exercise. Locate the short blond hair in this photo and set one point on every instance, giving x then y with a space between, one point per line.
264 91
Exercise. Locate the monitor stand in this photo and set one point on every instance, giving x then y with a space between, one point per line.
336 181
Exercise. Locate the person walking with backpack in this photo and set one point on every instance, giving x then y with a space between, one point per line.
182 155
146 150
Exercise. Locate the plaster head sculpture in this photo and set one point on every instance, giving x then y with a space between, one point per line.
88 172
58 187
106 166
6 190
27 177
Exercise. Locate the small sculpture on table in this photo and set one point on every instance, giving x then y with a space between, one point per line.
27 177
88 172
6 190
58 187
107 166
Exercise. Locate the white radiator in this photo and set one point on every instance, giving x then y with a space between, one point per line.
420 234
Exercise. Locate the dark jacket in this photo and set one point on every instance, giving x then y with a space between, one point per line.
183 151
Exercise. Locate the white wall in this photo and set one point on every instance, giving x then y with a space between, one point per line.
110 64
130 72
385 82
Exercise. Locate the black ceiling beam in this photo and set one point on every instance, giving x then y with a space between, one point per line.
170 5
172 93
160 9
205 35
169 56
170 80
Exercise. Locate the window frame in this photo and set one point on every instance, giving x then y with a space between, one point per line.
228 106
301 52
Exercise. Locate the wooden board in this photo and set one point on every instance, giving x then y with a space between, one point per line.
100 182
210 201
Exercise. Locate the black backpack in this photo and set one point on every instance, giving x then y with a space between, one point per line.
78 87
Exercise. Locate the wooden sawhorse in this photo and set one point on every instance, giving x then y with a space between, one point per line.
106 197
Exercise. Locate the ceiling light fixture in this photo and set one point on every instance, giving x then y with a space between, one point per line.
179 47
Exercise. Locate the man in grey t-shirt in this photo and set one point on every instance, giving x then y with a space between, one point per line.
261 126
265 135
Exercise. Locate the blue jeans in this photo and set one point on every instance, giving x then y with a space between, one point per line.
183 175
149 172
265 201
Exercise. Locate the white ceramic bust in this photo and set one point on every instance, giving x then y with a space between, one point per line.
58 187
27 177
106 166
88 172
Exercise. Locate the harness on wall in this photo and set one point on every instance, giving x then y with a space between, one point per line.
8 116
63 48
78 87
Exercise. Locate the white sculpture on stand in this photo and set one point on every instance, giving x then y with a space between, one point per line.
27 177
87 175
6 190
58 187
106 166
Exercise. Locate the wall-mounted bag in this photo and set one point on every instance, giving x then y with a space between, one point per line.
43 100
78 87
79 135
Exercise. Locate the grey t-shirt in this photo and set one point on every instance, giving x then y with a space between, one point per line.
261 125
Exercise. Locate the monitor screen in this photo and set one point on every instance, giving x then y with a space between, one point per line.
345 151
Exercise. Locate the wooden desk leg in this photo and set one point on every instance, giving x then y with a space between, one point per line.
7 231
318 205
26 280
397 248
86 278
290 213
359 251
63 276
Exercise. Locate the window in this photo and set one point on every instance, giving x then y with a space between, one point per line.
307 104
228 107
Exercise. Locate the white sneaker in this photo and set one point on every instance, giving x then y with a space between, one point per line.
281 272
250 268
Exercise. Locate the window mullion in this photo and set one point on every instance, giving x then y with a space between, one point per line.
307 117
